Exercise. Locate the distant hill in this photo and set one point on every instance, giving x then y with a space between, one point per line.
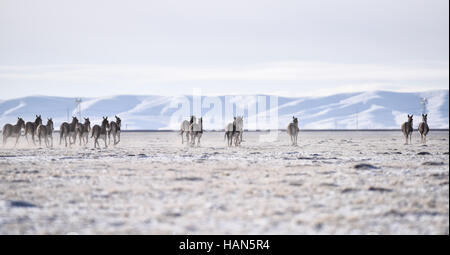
362 110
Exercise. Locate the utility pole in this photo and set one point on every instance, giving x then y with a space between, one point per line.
78 102
424 102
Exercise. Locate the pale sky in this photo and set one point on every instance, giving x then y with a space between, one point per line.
290 48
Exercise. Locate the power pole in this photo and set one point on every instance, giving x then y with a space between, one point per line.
424 102
78 102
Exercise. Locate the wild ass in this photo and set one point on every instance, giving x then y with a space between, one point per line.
68 130
13 130
115 130
100 132
407 129
239 130
423 129
83 131
46 132
31 127
196 131
292 130
184 128
234 131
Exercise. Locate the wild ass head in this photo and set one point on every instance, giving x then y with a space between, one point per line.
74 120
192 120
118 121
38 120
410 118
424 117
239 122
105 123
87 123
20 123
50 123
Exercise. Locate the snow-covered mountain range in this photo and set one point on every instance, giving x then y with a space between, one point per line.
362 110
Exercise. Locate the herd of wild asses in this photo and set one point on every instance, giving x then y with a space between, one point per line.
192 129
68 131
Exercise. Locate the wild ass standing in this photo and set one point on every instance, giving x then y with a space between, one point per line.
13 130
68 130
83 131
115 130
234 131
292 130
229 132
196 131
31 127
184 128
100 132
46 132
239 122
407 129
423 129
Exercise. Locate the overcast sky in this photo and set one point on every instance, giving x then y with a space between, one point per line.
291 48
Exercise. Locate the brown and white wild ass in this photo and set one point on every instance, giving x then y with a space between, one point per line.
115 130
30 128
234 131
407 129
83 131
100 132
46 132
184 129
13 131
196 131
423 128
68 130
292 130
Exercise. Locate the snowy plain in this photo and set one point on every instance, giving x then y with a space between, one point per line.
152 184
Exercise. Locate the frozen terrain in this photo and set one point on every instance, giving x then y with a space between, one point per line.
151 184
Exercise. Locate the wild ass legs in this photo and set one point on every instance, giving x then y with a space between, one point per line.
45 140
229 134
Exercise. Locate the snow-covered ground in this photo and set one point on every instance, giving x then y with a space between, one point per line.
151 184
